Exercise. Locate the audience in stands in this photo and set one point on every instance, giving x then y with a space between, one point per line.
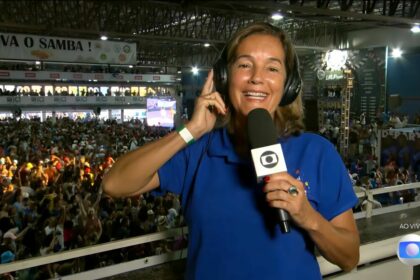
51 174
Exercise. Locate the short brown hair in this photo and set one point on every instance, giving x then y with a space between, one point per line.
289 118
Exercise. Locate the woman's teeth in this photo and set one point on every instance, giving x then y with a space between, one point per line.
256 95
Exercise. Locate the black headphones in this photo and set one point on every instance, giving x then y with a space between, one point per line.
292 86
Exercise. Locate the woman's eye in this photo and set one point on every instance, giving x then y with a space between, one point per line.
273 69
243 65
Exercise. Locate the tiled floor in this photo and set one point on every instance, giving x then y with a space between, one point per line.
388 225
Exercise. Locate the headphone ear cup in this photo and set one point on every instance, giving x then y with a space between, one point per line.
293 84
220 74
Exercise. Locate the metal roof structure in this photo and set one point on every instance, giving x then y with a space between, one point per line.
172 33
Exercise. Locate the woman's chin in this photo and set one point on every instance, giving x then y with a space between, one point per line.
253 106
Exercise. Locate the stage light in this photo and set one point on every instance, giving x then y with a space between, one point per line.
276 16
397 52
195 70
336 59
415 29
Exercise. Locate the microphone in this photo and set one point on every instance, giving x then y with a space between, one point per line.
266 152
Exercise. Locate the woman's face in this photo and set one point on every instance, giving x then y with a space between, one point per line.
258 74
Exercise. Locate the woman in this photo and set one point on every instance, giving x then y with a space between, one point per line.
231 231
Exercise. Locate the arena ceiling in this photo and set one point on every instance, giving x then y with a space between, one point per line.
172 33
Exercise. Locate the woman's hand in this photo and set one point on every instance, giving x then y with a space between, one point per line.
337 240
278 195
206 108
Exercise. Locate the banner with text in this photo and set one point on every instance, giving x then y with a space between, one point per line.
31 47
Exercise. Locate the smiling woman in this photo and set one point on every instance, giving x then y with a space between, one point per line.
262 73
257 74
283 64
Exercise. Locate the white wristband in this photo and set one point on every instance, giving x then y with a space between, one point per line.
186 135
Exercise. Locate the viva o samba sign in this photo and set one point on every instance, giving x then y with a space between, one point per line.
31 47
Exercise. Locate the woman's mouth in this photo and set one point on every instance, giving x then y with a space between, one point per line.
255 95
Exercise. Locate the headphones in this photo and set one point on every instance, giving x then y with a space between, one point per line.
292 86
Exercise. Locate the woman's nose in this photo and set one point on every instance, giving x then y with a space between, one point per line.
256 76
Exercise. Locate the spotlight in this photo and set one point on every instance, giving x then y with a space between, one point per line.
276 16
336 59
415 29
397 52
195 70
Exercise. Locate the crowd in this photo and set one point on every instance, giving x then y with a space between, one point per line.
399 162
51 200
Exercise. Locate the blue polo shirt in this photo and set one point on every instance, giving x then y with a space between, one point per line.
232 231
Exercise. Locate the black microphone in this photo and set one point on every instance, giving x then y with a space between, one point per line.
266 152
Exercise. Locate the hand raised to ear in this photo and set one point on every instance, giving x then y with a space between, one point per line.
206 108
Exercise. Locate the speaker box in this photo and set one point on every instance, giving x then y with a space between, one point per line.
416 272
311 115
394 101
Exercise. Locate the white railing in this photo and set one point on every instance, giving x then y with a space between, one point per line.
369 196
369 253
95 249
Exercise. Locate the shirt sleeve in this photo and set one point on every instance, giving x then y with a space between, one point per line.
172 174
337 194
178 173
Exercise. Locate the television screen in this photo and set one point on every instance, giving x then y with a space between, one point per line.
161 112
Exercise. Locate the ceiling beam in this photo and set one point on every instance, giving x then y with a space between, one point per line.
267 6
